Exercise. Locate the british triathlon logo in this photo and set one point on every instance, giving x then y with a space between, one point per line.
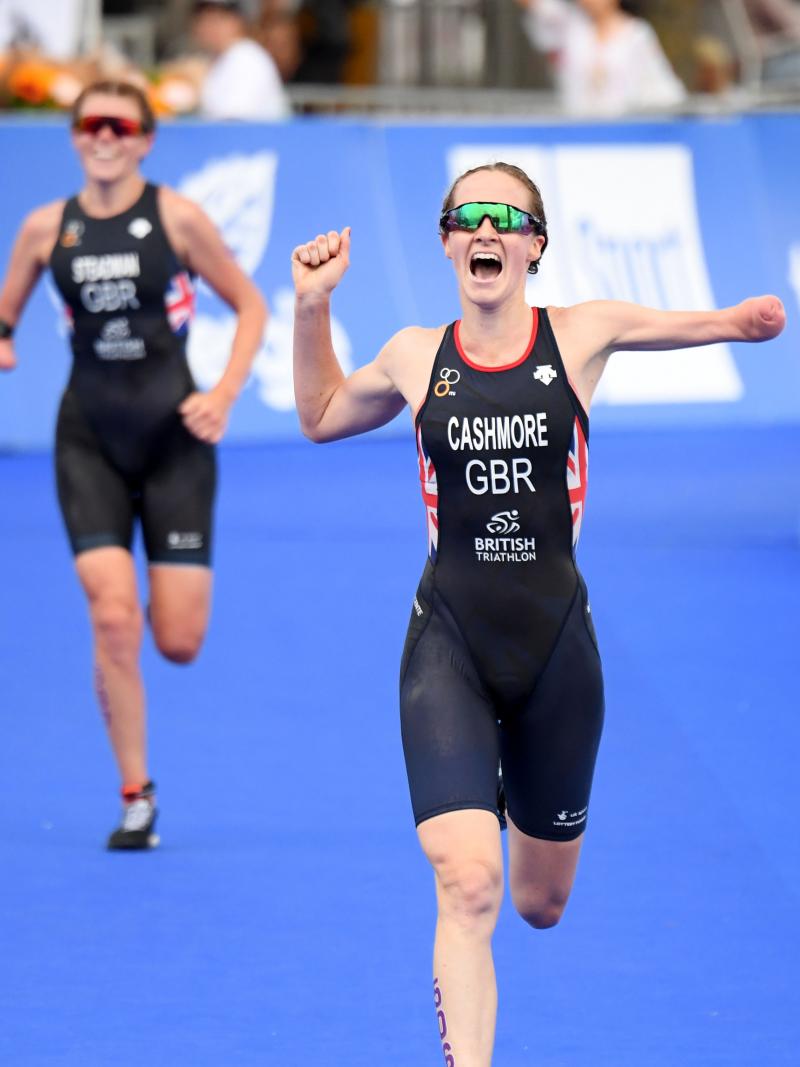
504 522
505 549
545 374
447 379
115 342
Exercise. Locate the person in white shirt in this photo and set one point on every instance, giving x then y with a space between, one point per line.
242 81
607 62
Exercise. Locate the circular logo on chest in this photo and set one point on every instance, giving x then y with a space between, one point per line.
448 378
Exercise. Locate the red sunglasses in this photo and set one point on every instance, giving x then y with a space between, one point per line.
119 127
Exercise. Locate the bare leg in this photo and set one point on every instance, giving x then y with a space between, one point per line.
180 604
109 581
540 875
465 852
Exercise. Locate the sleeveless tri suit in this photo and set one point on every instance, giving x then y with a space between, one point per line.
501 662
122 451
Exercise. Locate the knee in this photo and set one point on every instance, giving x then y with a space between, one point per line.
118 628
540 909
178 644
470 892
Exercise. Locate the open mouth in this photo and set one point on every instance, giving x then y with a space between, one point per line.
485 265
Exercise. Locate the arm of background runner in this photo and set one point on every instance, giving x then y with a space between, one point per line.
200 246
28 259
330 405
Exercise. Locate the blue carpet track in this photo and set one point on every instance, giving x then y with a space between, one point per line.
287 918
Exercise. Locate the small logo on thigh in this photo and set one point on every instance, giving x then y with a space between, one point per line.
567 818
181 541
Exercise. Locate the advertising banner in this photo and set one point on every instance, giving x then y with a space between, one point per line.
683 214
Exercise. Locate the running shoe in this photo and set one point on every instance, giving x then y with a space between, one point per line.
139 812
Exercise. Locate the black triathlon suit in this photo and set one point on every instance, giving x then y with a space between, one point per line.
122 451
500 664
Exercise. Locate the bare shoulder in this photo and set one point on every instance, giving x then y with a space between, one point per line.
175 203
412 342
585 330
568 323
47 215
575 315
407 360
44 221
39 229
191 232
179 212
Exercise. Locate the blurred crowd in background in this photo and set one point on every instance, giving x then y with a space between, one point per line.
267 59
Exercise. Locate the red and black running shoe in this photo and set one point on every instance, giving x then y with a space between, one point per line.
139 812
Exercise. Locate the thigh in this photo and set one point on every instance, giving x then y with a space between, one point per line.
549 747
178 501
449 726
96 501
180 599
540 871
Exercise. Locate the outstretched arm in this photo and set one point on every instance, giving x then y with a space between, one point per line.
200 246
589 333
330 405
619 326
28 259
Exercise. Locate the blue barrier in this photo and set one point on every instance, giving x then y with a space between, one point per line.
680 213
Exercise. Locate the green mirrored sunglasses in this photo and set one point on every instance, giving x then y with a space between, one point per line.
504 217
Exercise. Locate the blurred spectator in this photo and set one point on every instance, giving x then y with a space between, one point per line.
242 81
714 66
326 37
776 24
606 60
277 30
52 29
